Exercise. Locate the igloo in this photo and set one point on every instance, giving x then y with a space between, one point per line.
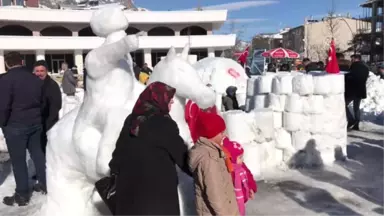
80 145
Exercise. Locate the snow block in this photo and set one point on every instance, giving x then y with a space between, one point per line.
283 139
261 101
328 84
263 84
277 119
270 156
276 102
296 121
302 84
241 98
282 84
263 125
240 125
251 84
294 103
252 158
313 104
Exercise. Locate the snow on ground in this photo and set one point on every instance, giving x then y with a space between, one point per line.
372 108
354 187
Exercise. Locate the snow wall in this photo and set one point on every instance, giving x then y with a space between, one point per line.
290 119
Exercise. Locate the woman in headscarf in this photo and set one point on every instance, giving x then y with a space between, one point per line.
146 153
230 101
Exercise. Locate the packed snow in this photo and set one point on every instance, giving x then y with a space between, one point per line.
372 108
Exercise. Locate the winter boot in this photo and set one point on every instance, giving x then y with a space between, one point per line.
16 198
40 188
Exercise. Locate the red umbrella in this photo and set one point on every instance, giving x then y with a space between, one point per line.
280 53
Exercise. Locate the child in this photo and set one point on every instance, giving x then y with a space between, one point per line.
243 181
212 169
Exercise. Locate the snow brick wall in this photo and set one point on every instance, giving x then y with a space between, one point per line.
291 119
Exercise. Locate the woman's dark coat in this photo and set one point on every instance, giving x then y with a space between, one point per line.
147 178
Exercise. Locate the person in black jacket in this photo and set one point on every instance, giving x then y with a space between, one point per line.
355 89
309 65
20 119
51 99
146 152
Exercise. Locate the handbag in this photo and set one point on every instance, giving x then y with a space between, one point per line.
106 187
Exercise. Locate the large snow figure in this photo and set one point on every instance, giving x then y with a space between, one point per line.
222 73
175 71
81 144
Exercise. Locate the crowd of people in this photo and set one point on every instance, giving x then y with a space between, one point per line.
29 107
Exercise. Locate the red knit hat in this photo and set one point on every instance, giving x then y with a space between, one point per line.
234 149
208 125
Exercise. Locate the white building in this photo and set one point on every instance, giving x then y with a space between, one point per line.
65 36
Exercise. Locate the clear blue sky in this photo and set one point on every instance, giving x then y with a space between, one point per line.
261 16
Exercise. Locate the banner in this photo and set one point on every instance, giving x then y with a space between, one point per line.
258 62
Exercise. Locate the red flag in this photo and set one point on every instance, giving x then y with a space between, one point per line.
332 65
243 56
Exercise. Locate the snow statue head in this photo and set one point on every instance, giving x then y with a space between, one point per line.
174 70
108 20
222 73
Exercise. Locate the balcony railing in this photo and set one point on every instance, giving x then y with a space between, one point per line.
88 43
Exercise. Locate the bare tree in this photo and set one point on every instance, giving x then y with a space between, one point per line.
332 20
234 29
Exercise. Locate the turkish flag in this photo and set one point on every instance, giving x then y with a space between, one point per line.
243 56
332 65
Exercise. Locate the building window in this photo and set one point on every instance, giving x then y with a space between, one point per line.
200 53
193 30
15 30
156 56
132 30
54 61
161 31
86 32
56 31
138 57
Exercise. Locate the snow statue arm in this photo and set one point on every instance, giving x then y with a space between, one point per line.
110 54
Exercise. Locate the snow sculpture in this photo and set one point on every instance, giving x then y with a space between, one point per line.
222 73
81 144
175 71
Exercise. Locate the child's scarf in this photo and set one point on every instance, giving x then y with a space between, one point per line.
228 159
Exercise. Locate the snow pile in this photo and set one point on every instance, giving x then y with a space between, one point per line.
291 119
372 108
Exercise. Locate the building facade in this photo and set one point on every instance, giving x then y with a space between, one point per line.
65 35
312 39
372 22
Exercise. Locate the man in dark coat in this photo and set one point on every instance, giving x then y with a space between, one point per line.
69 82
51 98
309 65
20 119
146 69
355 89
148 148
